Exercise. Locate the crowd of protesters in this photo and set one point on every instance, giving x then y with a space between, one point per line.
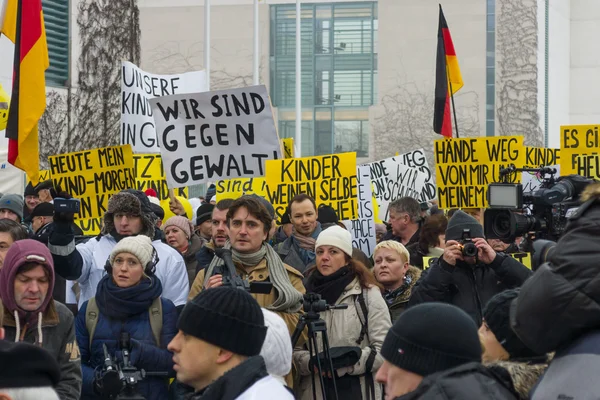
422 318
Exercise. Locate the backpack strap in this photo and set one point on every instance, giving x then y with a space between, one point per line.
91 319
369 383
365 317
155 314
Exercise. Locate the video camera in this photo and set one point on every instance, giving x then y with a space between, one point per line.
62 205
543 213
231 278
119 382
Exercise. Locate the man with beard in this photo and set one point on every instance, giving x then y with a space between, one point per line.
219 234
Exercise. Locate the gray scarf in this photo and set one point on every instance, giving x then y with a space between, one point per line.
289 299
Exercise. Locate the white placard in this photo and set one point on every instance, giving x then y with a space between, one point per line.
532 181
363 228
217 135
416 159
137 88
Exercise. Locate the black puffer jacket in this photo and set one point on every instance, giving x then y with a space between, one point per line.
562 299
468 287
471 381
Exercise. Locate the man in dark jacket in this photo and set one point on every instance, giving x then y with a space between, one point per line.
219 234
559 308
468 282
32 316
404 220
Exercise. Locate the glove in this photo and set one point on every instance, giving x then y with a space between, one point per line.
62 223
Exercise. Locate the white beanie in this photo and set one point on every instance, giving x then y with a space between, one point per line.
336 236
140 246
277 347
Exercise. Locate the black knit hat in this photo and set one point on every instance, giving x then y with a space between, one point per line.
158 211
496 315
225 317
326 215
204 213
26 366
29 190
432 337
459 222
210 192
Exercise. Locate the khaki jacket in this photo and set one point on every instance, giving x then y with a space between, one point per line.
260 273
343 329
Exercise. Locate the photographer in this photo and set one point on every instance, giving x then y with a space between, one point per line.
468 282
128 301
359 329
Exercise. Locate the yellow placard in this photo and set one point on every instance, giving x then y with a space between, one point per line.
288 147
93 176
535 157
523 258
329 179
577 140
466 167
588 165
235 188
4 105
44 176
149 173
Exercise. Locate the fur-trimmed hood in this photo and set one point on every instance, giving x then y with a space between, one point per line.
414 273
523 376
591 192
129 202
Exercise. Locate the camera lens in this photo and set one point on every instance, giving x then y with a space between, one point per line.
501 225
469 250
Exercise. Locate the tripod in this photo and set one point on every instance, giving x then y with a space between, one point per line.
312 306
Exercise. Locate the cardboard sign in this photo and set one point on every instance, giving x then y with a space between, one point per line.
44 176
392 180
416 159
535 157
329 179
577 140
236 188
588 165
363 228
137 88
465 168
288 147
93 176
149 173
218 135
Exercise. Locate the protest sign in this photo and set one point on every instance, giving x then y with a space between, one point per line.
93 176
44 176
235 188
149 173
363 228
535 157
218 135
416 159
288 147
588 165
465 168
137 88
329 179
532 181
576 140
392 180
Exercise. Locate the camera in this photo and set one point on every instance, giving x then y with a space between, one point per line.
468 248
543 212
62 205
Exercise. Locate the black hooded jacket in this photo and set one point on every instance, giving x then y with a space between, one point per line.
468 287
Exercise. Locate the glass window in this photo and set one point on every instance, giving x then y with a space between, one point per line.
56 22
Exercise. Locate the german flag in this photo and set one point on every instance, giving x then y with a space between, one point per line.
24 26
448 79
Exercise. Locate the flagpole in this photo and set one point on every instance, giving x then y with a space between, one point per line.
207 42
298 135
452 100
256 45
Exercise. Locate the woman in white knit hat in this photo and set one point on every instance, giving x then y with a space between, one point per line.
355 334
128 302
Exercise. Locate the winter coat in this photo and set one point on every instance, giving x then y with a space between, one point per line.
58 338
191 263
560 302
93 254
417 254
573 373
521 375
289 253
343 329
144 353
400 302
204 257
468 287
260 273
247 381
470 381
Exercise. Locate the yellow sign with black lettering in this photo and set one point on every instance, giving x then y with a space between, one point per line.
535 157
466 167
288 147
235 188
329 179
588 165
44 176
149 173
93 176
577 140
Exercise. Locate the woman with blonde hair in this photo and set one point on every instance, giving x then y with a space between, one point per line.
356 333
393 271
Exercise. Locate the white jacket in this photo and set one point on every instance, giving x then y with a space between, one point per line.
170 269
266 388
